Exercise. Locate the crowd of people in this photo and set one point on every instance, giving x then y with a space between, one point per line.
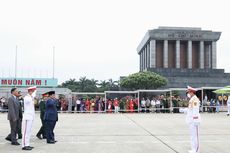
147 104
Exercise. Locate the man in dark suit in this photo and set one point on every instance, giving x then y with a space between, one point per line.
20 100
13 116
42 106
51 117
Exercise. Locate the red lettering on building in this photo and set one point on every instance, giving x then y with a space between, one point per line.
15 82
19 82
32 82
4 82
38 82
27 82
9 82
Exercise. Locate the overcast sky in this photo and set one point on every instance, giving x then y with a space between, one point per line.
96 38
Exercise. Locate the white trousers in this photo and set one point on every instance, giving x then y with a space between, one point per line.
116 109
194 136
229 109
26 132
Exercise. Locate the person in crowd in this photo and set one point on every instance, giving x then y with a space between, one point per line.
50 117
213 106
205 100
143 106
153 105
148 104
102 104
127 103
78 103
28 117
116 105
217 106
208 106
87 104
13 116
42 106
131 106
82 108
175 104
164 104
98 107
228 104
110 106
58 105
158 105
64 104
1 104
93 103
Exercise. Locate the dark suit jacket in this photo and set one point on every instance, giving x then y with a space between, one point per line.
13 108
42 107
51 110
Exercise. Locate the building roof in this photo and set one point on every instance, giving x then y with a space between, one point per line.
178 33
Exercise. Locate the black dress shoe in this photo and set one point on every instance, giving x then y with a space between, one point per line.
15 143
31 147
26 148
51 142
44 137
39 137
8 139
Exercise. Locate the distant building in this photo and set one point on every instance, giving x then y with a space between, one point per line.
185 56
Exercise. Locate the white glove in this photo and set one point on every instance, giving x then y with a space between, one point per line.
183 110
34 94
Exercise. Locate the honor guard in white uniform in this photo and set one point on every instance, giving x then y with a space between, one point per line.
193 119
28 118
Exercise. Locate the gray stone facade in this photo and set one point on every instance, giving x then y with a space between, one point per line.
185 56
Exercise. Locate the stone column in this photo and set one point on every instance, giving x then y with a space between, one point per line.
189 54
201 60
152 47
143 58
148 57
213 55
140 62
165 54
178 54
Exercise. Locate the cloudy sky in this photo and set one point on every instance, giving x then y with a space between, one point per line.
96 38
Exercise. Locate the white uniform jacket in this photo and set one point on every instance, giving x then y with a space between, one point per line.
193 114
29 111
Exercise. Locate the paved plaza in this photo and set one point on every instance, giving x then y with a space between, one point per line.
125 133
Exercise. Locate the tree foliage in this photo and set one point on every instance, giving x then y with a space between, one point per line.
90 85
143 80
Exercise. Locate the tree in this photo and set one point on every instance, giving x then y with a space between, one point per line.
90 85
71 84
143 80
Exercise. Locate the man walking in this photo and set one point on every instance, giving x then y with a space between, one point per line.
42 106
13 116
51 117
28 118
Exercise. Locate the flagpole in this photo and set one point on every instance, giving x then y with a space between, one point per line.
16 58
53 60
